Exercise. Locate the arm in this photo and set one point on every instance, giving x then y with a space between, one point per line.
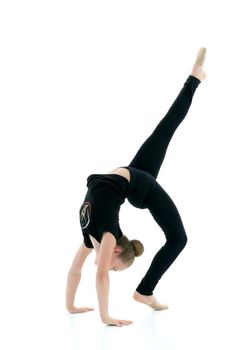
74 277
107 246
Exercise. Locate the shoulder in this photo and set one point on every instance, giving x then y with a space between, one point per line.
108 239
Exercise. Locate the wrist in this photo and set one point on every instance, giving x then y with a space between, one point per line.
104 317
69 306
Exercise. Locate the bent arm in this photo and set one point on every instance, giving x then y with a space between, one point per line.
102 288
107 246
74 274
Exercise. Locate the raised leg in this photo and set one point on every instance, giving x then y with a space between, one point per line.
151 154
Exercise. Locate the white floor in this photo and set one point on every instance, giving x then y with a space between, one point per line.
183 326
197 318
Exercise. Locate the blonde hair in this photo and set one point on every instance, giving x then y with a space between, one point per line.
130 249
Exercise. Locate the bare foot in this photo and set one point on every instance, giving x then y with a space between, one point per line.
149 300
197 70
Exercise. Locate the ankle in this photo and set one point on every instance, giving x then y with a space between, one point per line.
198 72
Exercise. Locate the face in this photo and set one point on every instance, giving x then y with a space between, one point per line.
116 262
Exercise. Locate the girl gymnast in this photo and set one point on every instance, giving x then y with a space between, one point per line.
99 212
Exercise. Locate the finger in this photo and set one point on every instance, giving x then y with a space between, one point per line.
117 324
86 309
125 322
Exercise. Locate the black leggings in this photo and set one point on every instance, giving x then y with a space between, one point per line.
149 158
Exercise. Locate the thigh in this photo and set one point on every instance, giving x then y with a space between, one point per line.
165 212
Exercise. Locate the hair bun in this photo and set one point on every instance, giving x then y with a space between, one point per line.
138 247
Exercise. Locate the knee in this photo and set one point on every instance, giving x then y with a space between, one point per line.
180 240
183 240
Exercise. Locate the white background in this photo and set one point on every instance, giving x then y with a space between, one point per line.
83 84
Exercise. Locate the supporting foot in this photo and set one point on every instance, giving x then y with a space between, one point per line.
150 301
197 70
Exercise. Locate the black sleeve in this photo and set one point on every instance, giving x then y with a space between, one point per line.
87 241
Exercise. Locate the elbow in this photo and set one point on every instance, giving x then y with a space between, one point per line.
102 276
102 283
74 272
